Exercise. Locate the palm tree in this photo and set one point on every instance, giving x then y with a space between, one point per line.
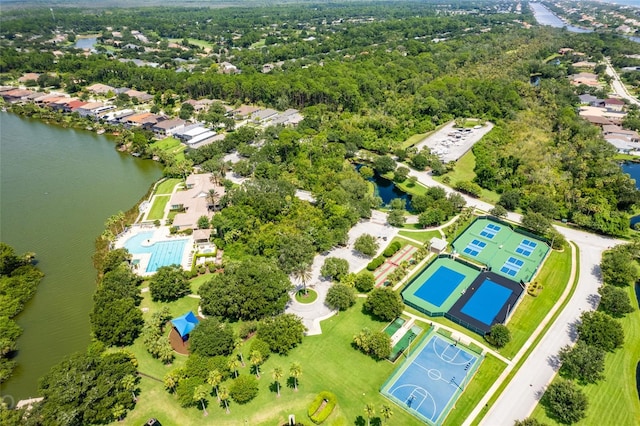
302 273
118 411
277 375
214 379
386 412
165 351
370 411
120 219
255 358
213 197
239 348
171 380
295 371
200 394
129 384
234 364
224 396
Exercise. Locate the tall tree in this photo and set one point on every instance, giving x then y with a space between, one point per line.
369 411
200 395
255 358
234 365
565 402
386 412
214 379
277 375
295 370
224 397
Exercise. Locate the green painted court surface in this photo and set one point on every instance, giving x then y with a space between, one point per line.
439 285
508 253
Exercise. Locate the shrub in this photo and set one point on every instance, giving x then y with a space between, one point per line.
246 329
377 261
320 416
260 346
392 249
365 281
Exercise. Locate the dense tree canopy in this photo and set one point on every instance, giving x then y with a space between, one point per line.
251 289
384 303
211 338
600 330
282 332
565 402
85 387
169 283
582 362
340 297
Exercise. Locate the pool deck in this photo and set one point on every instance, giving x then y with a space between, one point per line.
160 234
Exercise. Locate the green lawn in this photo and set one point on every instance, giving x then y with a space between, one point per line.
328 363
197 282
194 41
157 209
412 140
166 186
616 396
422 236
171 145
464 172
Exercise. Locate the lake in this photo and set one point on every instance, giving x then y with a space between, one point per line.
58 187
86 43
633 170
544 16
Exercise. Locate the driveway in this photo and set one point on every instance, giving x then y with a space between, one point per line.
315 312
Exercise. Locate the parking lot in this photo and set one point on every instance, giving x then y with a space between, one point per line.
450 143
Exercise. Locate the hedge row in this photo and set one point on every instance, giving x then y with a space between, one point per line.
319 417
377 261
392 249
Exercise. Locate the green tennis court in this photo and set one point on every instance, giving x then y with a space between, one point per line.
502 249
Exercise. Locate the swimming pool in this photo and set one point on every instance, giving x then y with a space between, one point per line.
163 253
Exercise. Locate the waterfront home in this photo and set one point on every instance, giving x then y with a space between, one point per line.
16 95
168 127
140 120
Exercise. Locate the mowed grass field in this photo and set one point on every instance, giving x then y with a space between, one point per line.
328 362
463 171
166 186
157 208
614 400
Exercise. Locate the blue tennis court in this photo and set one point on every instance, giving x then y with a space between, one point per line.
526 247
431 381
439 286
490 231
486 302
512 266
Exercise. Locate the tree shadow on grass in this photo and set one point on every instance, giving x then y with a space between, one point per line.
291 382
273 387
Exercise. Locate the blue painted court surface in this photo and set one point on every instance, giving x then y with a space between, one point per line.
434 378
163 253
439 286
474 247
487 301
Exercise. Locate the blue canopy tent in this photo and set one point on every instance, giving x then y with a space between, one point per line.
185 324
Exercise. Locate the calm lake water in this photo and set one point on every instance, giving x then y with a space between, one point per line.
86 43
544 16
57 189
633 170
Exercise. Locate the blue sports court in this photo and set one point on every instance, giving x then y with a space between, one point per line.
431 380
439 286
486 302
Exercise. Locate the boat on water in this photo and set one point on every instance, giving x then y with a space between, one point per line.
100 131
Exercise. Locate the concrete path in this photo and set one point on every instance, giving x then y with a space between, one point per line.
317 311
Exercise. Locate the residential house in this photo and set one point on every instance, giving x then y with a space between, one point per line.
142 97
140 120
587 99
73 105
30 76
263 115
228 68
195 200
613 130
613 104
290 117
16 95
244 111
168 127
100 89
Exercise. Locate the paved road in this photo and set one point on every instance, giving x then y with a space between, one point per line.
617 85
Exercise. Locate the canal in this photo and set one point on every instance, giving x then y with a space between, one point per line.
57 189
